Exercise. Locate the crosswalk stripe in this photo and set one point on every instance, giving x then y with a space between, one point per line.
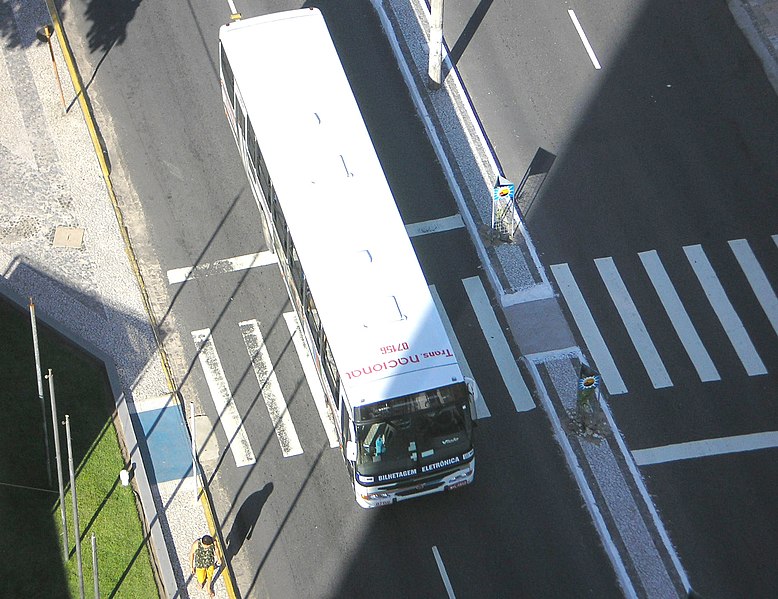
222 397
187 273
270 389
506 363
636 329
588 328
480 405
314 384
757 279
775 240
435 226
678 316
723 308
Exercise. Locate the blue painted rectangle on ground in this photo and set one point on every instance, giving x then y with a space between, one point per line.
168 443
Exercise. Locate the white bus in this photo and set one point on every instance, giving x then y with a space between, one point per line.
403 409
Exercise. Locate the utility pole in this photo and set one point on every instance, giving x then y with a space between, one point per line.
436 44
34 324
57 454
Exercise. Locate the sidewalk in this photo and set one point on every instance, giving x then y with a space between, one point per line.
60 244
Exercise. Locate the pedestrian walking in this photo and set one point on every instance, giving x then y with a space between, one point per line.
203 561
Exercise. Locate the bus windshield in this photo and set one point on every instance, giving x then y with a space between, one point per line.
409 433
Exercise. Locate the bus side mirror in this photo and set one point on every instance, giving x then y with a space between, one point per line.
472 390
351 451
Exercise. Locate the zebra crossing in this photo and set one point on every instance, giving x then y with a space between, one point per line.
716 298
272 393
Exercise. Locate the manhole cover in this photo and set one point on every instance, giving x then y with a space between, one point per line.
68 237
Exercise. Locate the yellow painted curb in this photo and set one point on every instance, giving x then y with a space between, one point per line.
86 109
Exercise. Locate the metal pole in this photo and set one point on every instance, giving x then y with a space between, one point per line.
94 566
34 324
46 32
76 524
436 44
194 449
57 454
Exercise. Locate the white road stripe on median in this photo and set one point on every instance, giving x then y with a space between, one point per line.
443 573
705 448
222 397
757 279
588 328
582 35
723 308
636 329
187 273
506 363
314 384
480 405
691 341
437 225
270 389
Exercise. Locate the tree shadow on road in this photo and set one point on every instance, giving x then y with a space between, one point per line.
109 20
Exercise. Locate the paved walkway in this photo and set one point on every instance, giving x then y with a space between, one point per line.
60 244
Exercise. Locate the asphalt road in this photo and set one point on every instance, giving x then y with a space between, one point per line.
669 145
291 524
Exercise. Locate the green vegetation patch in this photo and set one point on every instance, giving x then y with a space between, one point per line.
30 518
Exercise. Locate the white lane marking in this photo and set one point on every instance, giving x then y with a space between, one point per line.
705 448
585 41
757 279
721 305
435 226
691 341
506 363
775 240
480 405
222 397
314 384
589 331
233 10
186 273
270 389
636 329
443 574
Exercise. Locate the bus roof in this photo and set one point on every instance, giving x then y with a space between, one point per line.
375 307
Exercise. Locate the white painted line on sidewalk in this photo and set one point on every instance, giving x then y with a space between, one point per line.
314 384
706 448
438 225
480 405
757 279
588 328
723 308
222 398
582 35
675 310
443 574
636 329
506 363
270 389
154 403
187 273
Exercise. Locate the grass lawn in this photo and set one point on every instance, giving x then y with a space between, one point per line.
31 551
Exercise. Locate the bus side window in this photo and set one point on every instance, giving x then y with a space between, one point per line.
229 79
313 317
331 371
296 268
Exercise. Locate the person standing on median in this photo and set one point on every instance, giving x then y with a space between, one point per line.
203 561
